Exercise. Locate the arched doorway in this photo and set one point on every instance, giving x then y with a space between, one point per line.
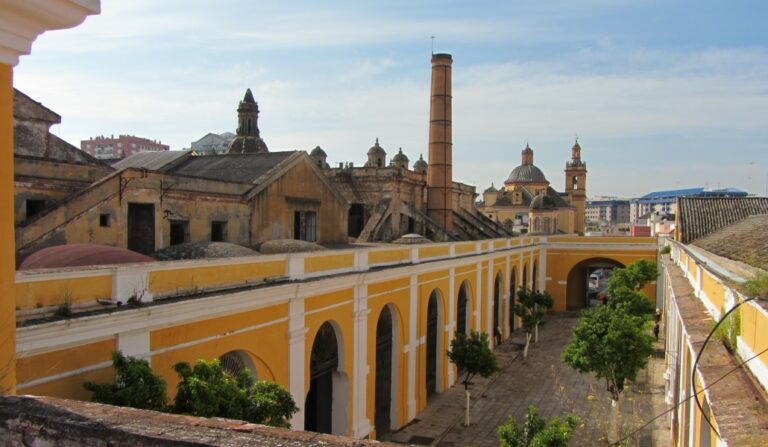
433 343
581 291
323 363
525 284
383 392
535 277
512 298
462 309
496 309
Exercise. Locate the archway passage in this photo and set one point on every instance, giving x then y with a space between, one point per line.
318 410
581 291
432 333
525 278
497 309
512 298
383 405
356 219
461 309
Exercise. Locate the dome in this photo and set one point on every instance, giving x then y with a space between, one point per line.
247 145
491 189
377 150
400 157
542 202
73 255
420 165
318 152
526 173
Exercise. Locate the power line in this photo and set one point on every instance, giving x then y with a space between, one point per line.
690 397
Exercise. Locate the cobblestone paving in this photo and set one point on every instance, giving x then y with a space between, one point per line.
544 381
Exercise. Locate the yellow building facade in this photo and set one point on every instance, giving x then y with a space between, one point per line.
270 311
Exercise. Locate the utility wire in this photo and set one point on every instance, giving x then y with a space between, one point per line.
689 397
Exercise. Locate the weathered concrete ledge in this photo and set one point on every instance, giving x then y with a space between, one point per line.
737 404
33 420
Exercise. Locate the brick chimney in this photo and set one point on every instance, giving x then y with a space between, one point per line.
440 170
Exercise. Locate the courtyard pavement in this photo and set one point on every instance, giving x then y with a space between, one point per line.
544 381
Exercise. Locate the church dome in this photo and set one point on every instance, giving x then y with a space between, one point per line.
491 189
542 202
526 173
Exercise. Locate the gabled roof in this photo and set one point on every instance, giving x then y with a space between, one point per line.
243 168
154 161
701 216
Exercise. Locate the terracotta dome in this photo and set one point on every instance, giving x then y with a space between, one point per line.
73 255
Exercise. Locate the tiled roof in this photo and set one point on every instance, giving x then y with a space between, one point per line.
244 168
701 216
153 161
745 241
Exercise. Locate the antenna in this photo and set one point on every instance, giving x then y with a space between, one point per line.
433 44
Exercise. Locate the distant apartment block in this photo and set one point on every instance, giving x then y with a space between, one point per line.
213 143
121 147
663 202
607 211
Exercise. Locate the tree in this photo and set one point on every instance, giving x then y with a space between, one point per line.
473 356
612 343
634 276
537 432
208 390
633 301
135 385
531 306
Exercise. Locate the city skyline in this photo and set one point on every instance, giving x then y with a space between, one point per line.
661 95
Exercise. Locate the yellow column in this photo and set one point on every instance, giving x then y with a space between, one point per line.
7 243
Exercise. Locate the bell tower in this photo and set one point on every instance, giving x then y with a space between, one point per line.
576 186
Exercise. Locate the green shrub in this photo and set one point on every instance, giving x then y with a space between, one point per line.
537 432
135 385
729 330
208 390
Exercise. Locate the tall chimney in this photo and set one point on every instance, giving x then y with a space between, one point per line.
440 171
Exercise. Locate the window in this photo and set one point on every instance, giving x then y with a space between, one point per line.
304 225
179 232
104 220
34 207
219 231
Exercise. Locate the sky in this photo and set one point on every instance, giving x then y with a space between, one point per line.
661 94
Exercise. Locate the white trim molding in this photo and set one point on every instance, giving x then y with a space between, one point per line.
21 21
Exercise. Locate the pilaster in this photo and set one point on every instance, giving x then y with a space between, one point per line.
412 345
361 426
297 333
